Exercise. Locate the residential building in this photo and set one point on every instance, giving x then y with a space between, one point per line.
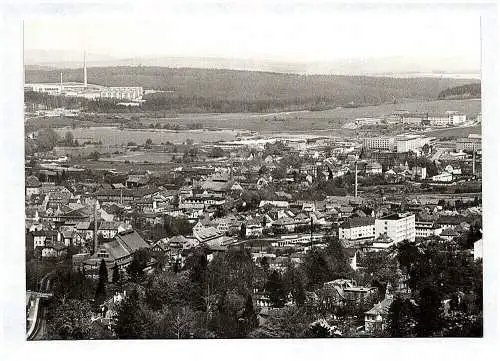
356 231
376 317
117 252
443 177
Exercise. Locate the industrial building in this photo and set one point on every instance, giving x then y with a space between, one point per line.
85 90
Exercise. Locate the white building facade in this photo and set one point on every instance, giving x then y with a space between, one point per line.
398 226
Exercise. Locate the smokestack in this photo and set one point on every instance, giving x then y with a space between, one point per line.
85 69
356 179
473 162
61 83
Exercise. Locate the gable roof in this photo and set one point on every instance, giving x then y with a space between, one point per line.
358 222
381 308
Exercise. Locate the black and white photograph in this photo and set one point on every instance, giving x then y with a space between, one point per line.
231 171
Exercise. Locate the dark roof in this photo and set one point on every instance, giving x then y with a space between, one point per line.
396 216
358 222
32 181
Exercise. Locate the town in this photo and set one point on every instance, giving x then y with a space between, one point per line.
376 233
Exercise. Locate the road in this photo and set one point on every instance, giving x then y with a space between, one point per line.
38 330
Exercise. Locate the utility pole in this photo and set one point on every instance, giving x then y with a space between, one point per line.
473 162
95 227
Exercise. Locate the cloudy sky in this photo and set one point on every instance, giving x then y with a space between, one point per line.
432 38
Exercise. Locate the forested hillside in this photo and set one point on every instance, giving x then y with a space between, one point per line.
219 90
462 92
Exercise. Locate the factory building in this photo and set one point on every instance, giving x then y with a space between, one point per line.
85 90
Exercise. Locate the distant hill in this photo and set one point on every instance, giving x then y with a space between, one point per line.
222 90
462 92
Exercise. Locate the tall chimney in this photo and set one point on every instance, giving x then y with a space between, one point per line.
84 69
61 84
356 179
473 162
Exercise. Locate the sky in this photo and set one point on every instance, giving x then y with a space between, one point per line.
435 38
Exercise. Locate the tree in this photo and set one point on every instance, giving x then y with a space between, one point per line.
47 139
132 318
95 156
177 322
287 322
100 293
428 316
243 231
139 261
400 318
318 330
276 290
116 274
68 139
71 320
148 143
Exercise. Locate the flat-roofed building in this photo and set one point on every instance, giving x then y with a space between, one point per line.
381 143
397 226
471 143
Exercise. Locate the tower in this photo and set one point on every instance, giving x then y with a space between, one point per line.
84 69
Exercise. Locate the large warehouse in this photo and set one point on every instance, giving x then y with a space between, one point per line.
85 90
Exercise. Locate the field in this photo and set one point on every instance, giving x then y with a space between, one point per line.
142 157
455 132
314 120
116 136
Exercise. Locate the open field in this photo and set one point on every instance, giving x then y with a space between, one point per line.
313 120
142 157
455 132
116 136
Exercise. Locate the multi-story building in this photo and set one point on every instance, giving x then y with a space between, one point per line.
356 231
397 226
381 143
471 143
449 118
427 228
407 143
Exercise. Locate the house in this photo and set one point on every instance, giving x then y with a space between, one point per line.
376 317
117 252
55 250
443 177
137 180
45 238
449 234
206 234
32 186
108 230
373 168
285 224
